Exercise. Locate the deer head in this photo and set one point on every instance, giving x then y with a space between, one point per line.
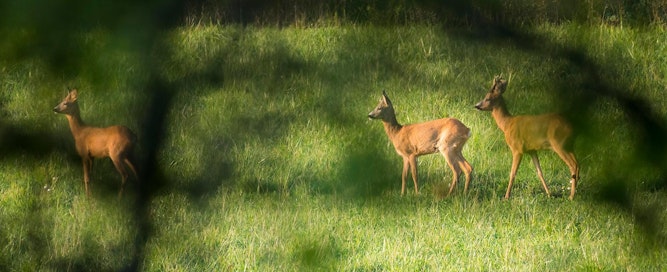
384 109
494 96
69 104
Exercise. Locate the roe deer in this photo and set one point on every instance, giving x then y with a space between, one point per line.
447 136
529 133
116 142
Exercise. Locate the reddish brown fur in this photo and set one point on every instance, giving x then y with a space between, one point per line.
115 142
529 133
447 136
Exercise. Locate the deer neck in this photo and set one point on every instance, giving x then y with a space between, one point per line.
75 123
501 115
391 126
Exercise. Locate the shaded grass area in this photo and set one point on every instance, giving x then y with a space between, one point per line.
270 163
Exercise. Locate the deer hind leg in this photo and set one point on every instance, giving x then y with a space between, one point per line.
536 162
130 165
87 165
118 163
453 161
571 162
413 169
467 170
574 169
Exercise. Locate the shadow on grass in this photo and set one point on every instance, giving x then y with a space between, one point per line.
363 173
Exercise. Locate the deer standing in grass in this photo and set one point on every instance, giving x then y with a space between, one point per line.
115 142
529 133
447 136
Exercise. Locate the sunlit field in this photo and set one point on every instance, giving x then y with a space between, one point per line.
271 164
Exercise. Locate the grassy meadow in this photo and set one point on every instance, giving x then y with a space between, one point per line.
269 162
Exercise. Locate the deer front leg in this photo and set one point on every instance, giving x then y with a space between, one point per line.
536 162
404 175
516 160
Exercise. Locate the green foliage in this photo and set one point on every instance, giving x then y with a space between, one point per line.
271 164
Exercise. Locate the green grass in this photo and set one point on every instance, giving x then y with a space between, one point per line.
270 163
395 233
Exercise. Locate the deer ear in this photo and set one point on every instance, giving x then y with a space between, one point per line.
385 98
499 85
502 85
73 94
